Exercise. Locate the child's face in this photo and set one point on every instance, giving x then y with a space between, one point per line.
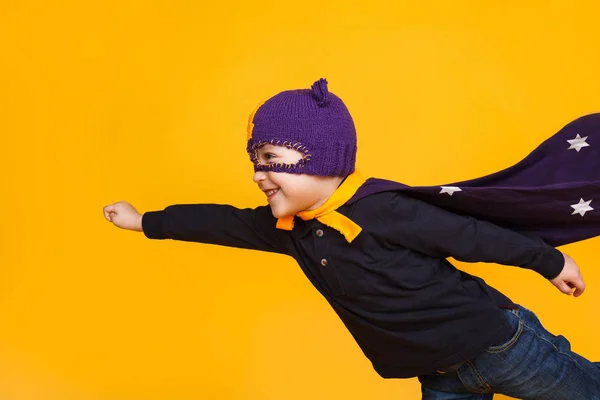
287 193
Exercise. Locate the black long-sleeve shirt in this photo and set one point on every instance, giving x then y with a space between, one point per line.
408 308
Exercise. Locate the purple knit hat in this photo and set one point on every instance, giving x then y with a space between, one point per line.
313 121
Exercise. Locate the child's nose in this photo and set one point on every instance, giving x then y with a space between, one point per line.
259 176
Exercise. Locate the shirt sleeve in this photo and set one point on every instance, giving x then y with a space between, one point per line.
218 224
440 233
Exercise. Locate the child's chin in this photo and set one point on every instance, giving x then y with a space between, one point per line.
280 213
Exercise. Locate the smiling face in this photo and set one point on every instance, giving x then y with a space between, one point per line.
289 193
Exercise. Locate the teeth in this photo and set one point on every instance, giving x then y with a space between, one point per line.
271 192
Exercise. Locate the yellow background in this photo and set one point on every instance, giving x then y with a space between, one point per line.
147 101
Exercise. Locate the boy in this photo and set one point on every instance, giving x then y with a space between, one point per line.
381 261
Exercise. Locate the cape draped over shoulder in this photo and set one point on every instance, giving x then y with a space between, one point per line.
553 193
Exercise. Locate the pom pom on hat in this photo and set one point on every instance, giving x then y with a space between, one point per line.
320 92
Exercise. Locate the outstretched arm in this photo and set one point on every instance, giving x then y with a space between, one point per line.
204 223
439 233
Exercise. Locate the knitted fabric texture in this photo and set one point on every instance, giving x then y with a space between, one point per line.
314 122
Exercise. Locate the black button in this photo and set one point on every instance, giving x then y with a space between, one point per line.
319 232
324 262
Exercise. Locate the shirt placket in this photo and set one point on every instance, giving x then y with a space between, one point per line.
326 265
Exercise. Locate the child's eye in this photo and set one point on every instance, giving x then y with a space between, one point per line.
268 156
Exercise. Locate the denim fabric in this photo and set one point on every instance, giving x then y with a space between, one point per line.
533 364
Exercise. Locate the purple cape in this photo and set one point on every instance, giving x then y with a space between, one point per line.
553 193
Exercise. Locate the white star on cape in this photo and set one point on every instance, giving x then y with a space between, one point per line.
582 207
578 143
450 190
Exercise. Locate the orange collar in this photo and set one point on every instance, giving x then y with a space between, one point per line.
327 214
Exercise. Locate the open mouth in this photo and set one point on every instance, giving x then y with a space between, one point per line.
271 193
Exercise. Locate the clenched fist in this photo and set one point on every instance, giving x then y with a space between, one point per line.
569 278
124 215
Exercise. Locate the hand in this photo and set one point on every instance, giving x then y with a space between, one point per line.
124 216
569 278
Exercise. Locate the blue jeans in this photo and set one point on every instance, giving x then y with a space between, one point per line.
533 364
